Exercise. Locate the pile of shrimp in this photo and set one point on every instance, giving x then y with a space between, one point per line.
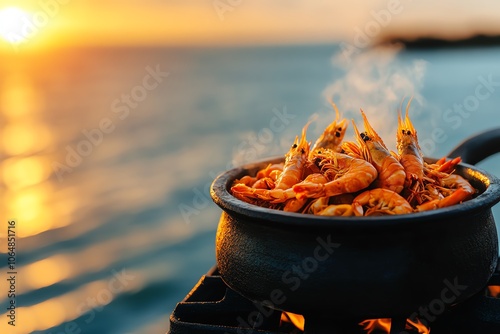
363 178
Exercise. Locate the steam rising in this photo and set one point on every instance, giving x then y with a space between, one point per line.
377 81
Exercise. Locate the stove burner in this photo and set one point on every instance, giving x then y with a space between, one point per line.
212 307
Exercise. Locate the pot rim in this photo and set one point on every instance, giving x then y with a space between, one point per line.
219 191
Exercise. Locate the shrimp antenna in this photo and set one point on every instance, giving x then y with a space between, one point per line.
408 105
407 117
337 112
401 104
303 140
312 118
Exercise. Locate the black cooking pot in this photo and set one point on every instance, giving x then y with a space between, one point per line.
361 267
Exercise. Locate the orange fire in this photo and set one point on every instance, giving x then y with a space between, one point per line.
376 324
384 326
494 291
420 327
372 326
296 319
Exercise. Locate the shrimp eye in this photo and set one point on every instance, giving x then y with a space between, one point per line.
294 146
364 136
339 129
302 151
337 134
408 132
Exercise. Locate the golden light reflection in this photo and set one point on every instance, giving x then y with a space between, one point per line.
19 173
28 203
21 105
67 307
25 141
25 138
60 267
46 272
18 97
32 209
49 313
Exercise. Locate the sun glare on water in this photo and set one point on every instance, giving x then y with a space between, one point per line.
13 21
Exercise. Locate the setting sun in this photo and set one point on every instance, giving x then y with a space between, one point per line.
13 21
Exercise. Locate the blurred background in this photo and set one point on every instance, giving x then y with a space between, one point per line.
116 116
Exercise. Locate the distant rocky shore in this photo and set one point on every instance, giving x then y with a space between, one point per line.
433 42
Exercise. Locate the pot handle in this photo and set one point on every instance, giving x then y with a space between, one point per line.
478 147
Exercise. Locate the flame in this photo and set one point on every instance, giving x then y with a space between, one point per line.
296 319
494 291
418 326
370 326
373 324
384 326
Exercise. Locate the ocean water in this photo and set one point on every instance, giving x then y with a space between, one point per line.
108 154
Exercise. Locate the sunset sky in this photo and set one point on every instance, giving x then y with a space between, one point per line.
223 22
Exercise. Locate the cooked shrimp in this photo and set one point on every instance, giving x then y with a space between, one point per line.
332 136
295 161
246 180
271 195
317 205
458 189
391 174
409 151
295 204
264 183
344 210
443 165
347 175
378 202
359 178
455 181
272 170
292 173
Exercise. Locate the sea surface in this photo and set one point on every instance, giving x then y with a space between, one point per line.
107 155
